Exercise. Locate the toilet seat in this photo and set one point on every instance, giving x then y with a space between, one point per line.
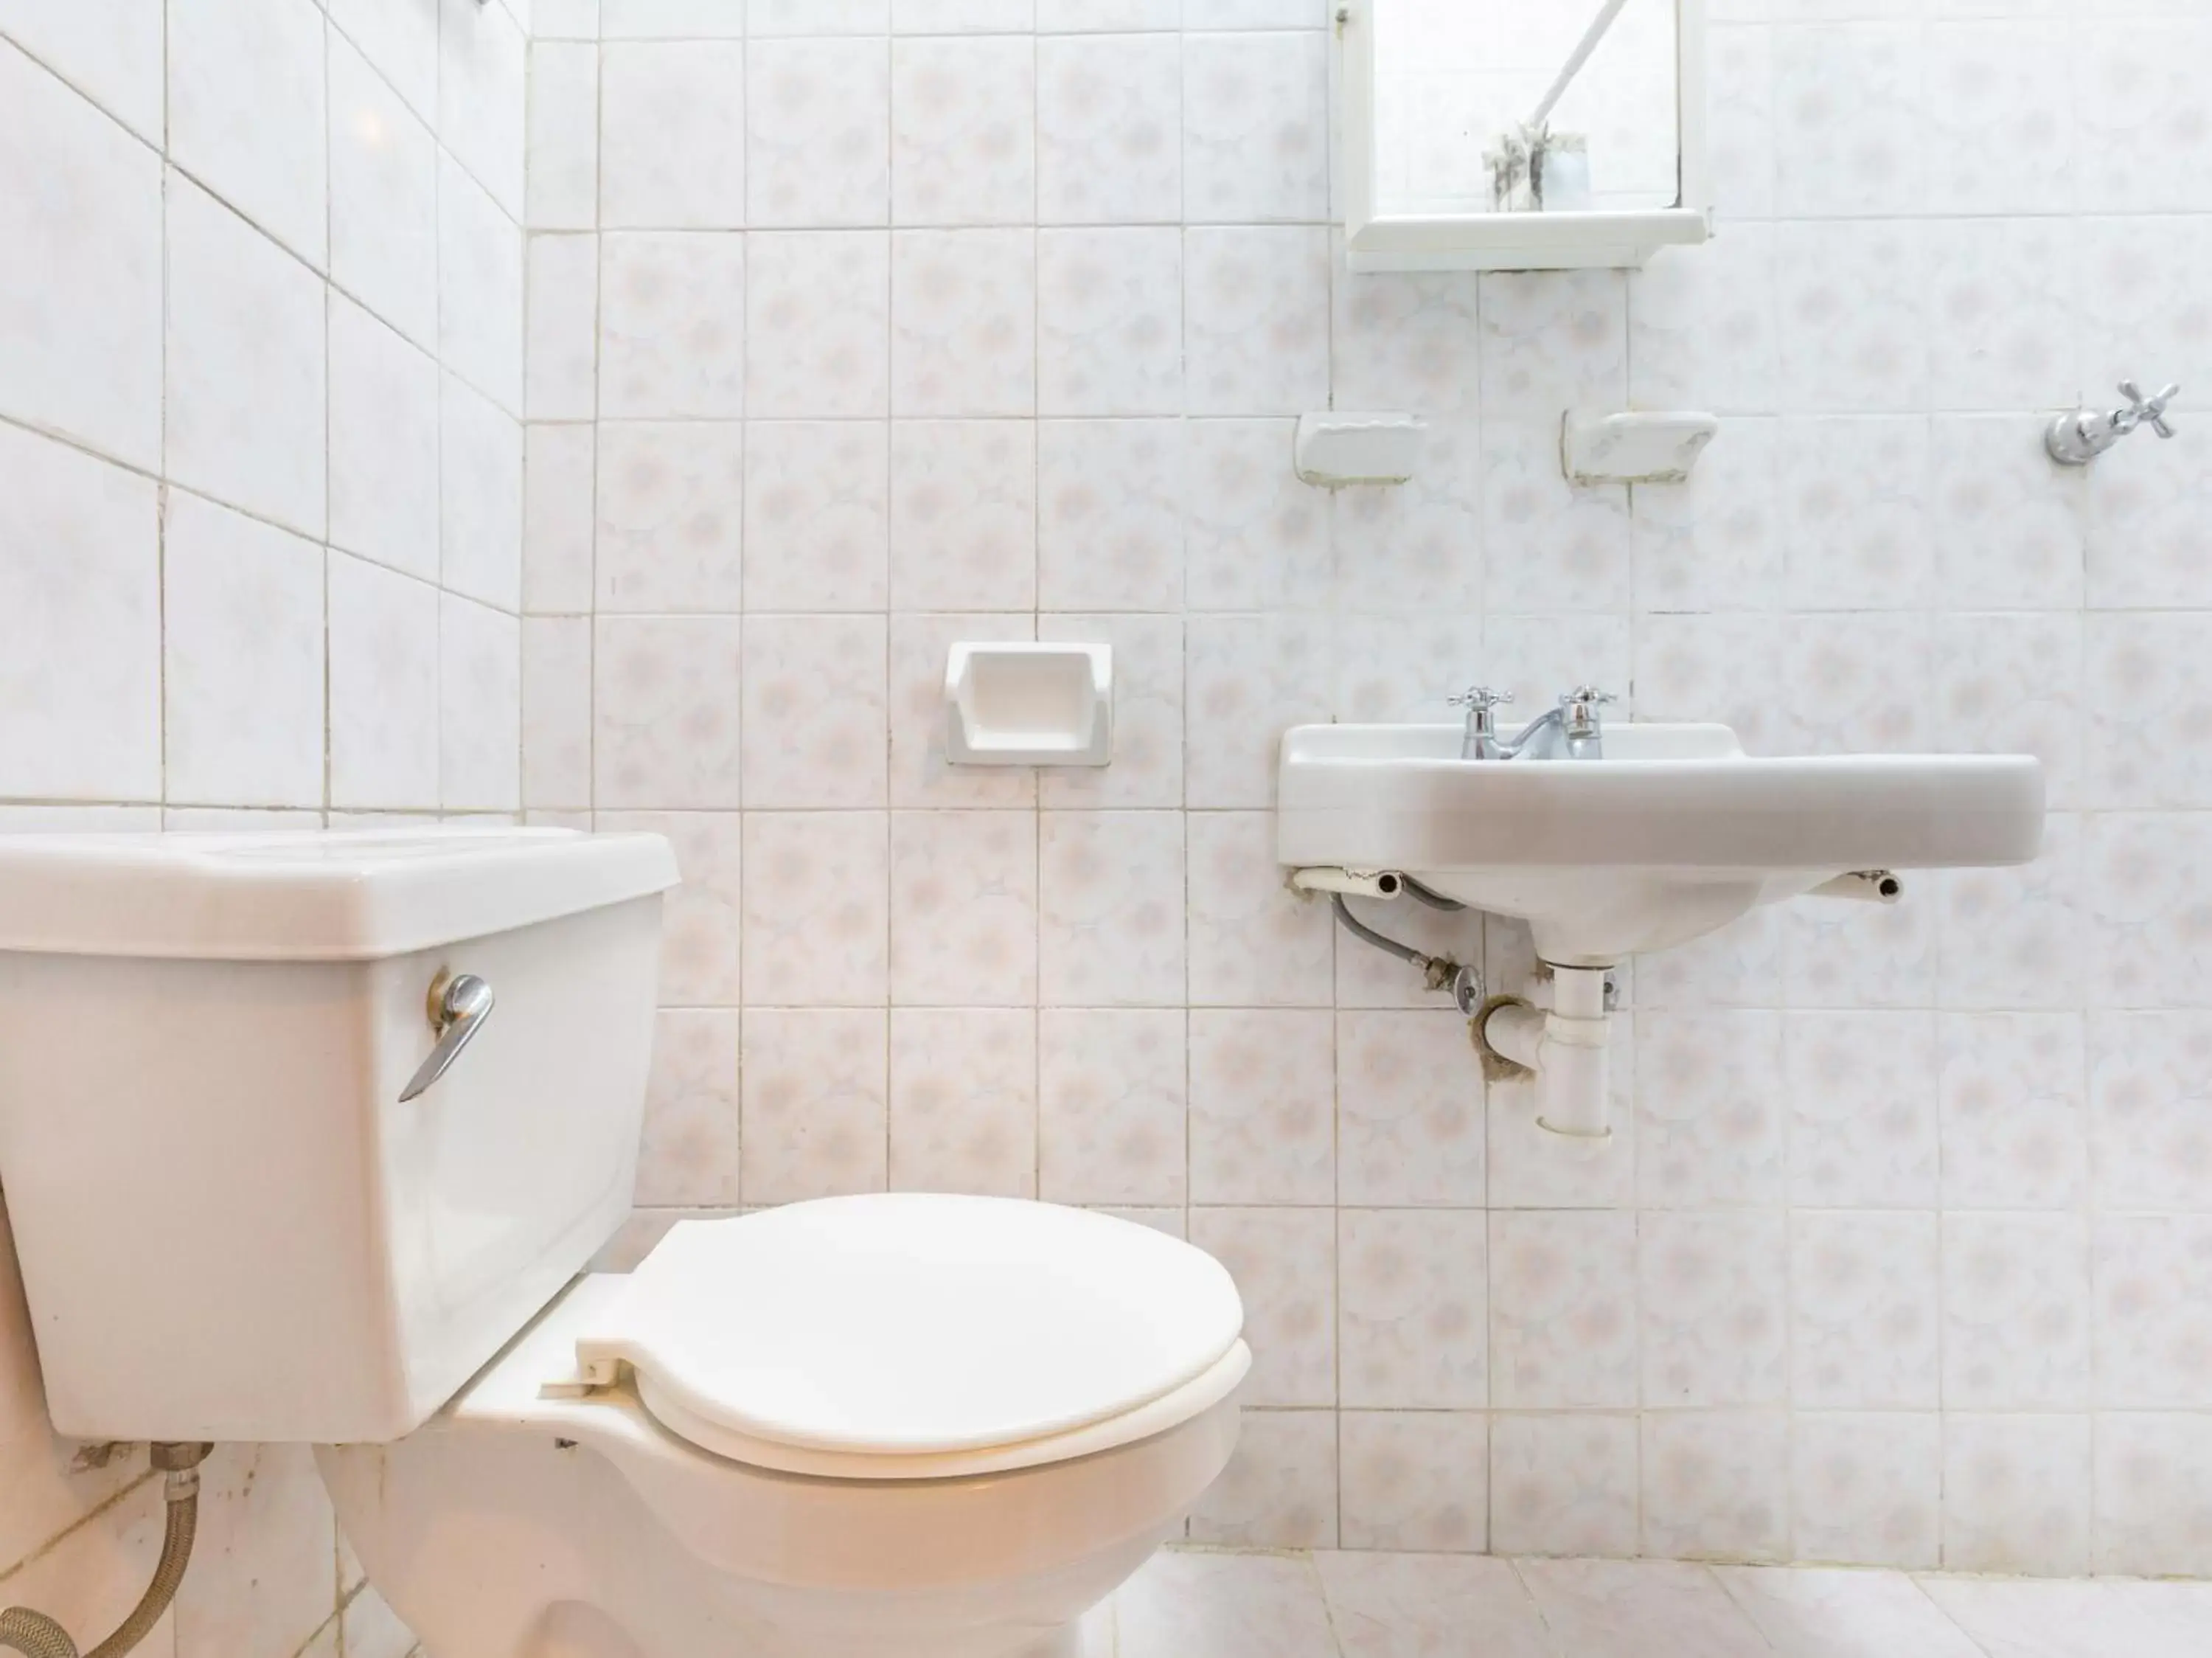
915 1335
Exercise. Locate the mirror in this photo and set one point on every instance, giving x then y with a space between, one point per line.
1512 134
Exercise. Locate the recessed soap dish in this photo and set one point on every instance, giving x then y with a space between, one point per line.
1029 704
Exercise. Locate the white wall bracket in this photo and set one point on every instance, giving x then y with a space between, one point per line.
1013 703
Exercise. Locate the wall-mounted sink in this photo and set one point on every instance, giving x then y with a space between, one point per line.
1674 834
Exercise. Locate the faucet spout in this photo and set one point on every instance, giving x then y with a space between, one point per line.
1541 739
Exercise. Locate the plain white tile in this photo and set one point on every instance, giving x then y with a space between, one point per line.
400 37
81 298
247 382
384 435
1837 1614
482 90
679 20
563 366
2020 1619
480 497
1206 1606
564 135
556 713
1614 1609
480 287
479 707
385 705
1391 1605
80 593
109 50
768 19
227 56
559 519
384 198
242 668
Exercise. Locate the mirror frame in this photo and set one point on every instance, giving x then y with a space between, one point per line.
1514 242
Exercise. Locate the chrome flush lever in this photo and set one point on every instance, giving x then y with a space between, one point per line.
459 1004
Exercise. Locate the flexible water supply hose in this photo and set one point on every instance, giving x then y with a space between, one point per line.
37 1636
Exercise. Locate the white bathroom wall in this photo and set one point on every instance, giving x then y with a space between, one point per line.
261 383
896 321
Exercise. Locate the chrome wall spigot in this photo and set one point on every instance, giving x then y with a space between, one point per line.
2076 439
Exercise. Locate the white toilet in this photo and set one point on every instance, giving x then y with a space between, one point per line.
890 1426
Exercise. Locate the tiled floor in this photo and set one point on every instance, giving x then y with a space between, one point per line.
1198 1604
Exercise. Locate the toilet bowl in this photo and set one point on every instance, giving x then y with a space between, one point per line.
334 1125
888 1427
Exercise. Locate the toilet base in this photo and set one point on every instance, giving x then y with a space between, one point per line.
598 1535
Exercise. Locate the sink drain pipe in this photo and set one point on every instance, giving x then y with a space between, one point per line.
1565 1047
37 1636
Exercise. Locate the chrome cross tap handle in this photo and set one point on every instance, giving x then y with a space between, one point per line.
1580 724
2145 412
2076 439
1481 741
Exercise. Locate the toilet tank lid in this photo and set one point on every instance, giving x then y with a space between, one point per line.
340 896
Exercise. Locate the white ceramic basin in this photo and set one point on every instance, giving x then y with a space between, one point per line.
1674 834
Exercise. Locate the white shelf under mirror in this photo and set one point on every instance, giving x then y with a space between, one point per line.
1437 98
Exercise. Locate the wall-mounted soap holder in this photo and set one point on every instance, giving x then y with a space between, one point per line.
1029 704
1644 447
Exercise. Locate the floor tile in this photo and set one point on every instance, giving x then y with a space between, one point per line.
1640 1609
2169 1620
1098 1631
1431 1605
2022 1618
1194 1605
1844 1614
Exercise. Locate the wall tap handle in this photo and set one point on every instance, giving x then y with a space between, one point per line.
1588 696
2146 411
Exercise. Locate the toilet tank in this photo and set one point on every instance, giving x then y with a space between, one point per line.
230 1227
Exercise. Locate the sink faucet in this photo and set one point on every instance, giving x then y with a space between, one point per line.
1480 701
1574 730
